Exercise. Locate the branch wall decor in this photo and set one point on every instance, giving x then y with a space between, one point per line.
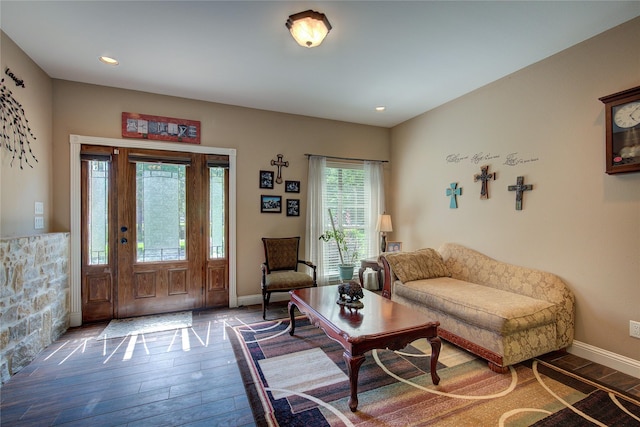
16 134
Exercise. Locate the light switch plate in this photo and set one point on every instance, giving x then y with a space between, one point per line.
39 208
38 223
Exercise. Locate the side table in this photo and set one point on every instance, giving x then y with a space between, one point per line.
371 263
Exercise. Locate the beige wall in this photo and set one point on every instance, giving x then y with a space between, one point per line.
21 188
258 136
577 222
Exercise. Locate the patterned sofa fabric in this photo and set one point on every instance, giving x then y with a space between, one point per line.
500 311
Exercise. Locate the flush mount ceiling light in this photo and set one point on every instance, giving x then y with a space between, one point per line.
308 28
108 60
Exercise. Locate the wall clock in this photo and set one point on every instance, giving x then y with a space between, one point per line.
622 115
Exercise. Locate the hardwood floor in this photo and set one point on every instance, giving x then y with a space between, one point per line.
187 379
163 378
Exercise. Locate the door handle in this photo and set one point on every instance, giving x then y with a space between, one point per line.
123 240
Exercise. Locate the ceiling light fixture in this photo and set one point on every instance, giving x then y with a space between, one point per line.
308 28
108 60
381 108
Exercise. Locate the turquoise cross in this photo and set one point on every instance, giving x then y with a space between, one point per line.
453 192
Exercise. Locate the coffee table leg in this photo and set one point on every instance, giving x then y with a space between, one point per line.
435 353
353 367
292 307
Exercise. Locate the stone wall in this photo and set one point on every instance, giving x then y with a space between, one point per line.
34 297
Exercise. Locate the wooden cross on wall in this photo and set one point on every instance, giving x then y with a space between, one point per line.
452 192
519 188
279 164
485 177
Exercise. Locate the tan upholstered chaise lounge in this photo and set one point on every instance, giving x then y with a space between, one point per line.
498 311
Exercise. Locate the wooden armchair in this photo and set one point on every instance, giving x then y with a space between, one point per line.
280 268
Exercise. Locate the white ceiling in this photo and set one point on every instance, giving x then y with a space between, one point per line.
409 56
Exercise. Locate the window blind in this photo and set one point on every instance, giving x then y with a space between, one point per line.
345 195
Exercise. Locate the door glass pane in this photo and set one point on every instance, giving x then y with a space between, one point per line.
216 213
98 215
160 212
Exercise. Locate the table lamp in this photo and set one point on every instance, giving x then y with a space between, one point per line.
384 226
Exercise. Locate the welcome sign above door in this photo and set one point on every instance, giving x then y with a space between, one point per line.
159 128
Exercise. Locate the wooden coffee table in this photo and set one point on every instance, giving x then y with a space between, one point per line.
382 323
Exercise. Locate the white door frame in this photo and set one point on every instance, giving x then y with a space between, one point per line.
75 142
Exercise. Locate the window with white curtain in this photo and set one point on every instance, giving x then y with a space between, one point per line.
348 201
354 192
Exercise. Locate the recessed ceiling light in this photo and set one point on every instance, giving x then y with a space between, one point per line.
108 60
381 108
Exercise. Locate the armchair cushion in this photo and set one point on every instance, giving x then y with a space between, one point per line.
287 280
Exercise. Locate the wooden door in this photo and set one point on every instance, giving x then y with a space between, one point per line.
166 233
160 232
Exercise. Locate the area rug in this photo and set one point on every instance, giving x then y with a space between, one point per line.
302 381
118 328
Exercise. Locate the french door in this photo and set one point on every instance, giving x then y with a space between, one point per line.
154 232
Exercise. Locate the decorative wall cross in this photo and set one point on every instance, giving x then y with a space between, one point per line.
519 188
485 177
452 192
279 164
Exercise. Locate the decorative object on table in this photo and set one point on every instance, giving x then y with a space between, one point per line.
270 204
452 192
292 186
15 126
266 179
308 28
394 247
160 128
622 115
384 226
349 294
519 188
340 237
279 163
293 207
484 176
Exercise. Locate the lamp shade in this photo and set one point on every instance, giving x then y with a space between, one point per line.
384 223
308 28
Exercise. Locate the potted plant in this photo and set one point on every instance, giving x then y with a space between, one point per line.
340 237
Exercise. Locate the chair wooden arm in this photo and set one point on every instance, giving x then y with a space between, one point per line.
312 266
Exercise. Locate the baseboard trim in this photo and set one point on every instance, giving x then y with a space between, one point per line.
75 319
612 360
257 299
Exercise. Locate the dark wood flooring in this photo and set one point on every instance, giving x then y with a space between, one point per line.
185 379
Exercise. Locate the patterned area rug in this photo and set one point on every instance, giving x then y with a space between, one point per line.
302 381
118 328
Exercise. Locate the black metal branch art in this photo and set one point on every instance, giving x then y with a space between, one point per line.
15 128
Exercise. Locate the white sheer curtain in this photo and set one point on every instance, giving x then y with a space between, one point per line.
317 210
374 184
315 213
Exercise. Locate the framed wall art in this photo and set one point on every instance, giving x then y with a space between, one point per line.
292 186
394 247
270 204
293 207
143 126
266 179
